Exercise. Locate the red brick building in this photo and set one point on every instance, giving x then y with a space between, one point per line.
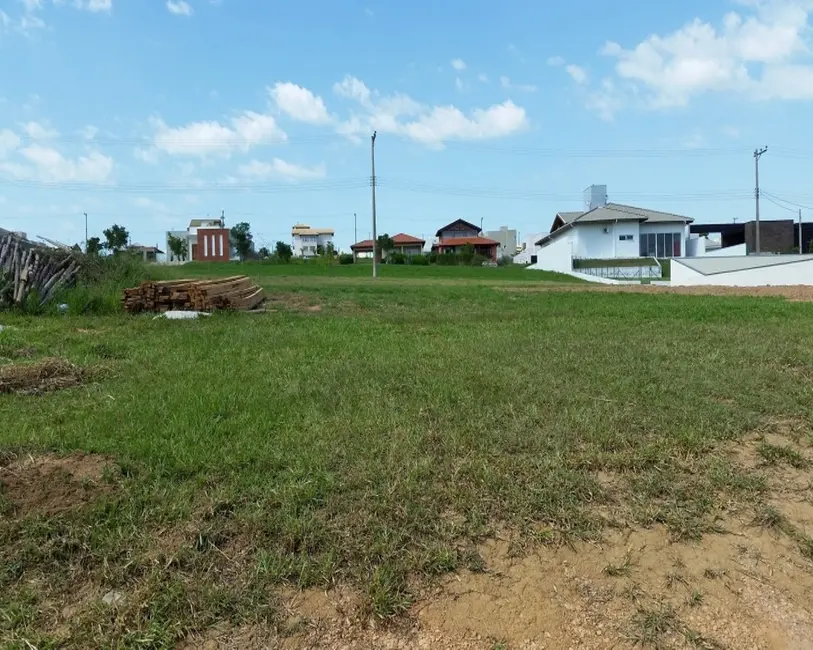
212 245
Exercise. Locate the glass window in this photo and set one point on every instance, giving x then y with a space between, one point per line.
676 245
667 245
660 252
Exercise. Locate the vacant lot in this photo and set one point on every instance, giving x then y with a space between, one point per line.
455 459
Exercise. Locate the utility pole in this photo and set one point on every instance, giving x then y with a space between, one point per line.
801 251
757 155
86 233
375 243
355 229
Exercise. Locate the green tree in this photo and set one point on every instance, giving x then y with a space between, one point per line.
263 253
94 246
467 253
384 246
178 246
284 252
330 252
116 238
242 239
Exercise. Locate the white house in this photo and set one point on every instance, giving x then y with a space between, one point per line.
611 231
306 240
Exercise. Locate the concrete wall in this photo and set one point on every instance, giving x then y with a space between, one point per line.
786 271
531 248
556 256
507 239
728 251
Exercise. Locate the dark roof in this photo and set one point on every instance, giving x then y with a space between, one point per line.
609 213
462 241
146 249
455 222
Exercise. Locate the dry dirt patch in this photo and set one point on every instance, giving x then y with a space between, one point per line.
42 376
792 293
50 484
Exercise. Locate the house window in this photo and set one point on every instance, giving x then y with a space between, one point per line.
660 244
625 238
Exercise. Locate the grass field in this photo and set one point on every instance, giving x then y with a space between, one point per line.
372 434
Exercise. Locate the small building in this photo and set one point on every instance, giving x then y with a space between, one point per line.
776 236
306 241
402 243
147 253
507 239
453 237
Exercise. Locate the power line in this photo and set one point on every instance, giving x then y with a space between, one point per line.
779 198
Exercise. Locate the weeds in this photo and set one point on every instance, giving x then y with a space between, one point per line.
621 570
775 455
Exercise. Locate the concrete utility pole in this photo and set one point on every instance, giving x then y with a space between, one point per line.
801 251
375 243
355 229
757 155
86 233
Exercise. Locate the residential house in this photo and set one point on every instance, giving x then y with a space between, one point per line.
306 240
609 231
453 237
507 239
402 243
147 253
207 240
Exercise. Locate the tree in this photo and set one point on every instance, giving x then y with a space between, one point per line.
116 238
242 239
263 253
385 245
178 246
320 250
330 252
284 252
94 245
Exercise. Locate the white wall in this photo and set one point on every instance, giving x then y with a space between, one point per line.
531 248
556 256
782 273
728 251
696 247
591 241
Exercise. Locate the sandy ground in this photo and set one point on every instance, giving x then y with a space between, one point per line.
793 293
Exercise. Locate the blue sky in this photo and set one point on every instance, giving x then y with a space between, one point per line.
148 113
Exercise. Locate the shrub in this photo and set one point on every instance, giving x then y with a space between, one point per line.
396 258
433 257
448 259
346 258
505 260
100 283
478 260
419 260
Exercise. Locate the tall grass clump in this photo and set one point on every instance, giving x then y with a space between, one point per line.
100 283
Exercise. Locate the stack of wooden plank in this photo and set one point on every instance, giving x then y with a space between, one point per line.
233 293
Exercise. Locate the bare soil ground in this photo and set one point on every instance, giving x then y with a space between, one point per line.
750 585
792 293
50 485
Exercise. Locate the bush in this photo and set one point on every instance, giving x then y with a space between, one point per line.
505 260
396 258
448 259
433 257
100 283
419 260
479 260
346 258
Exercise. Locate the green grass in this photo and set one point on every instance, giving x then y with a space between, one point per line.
377 441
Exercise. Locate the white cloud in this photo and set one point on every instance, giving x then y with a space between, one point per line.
731 131
761 56
179 8
258 170
460 84
482 78
352 88
299 103
432 125
37 131
9 141
240 133
556 61
577 73
506 83
459 65
95 5
48 164
89 132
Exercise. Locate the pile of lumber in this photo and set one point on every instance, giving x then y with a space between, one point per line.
234 293
27 269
